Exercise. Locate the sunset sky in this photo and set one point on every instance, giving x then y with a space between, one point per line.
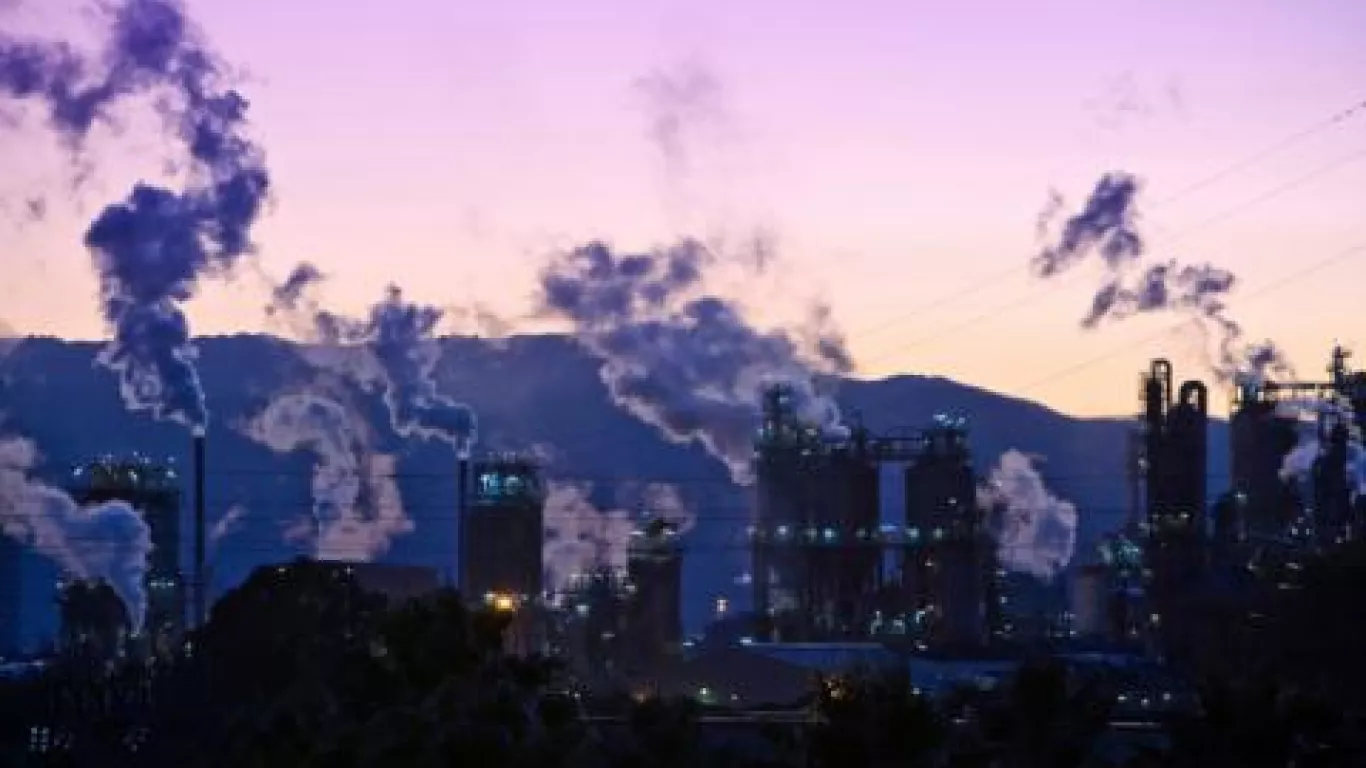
896 153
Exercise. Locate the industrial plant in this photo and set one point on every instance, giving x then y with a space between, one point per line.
858 540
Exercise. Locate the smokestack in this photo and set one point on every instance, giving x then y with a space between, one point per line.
462 505
200 532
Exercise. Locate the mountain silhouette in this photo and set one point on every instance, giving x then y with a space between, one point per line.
538 392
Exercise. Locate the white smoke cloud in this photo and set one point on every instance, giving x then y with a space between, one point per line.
579 537
1035 531
1298 464
357 508
106 542
658 500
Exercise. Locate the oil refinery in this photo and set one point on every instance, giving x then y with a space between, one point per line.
831 566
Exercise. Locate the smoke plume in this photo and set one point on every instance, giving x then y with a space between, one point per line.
1035 531
677 102
1298 464
151 250
394 350
1107 229
107 542
1106 226
684 362
579 537
658 500
356 505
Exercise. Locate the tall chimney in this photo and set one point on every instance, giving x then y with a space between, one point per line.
462 491
200 533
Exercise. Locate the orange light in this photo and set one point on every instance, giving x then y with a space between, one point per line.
504 603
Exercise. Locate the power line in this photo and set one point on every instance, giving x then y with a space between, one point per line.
1037 295
979 285
1270 288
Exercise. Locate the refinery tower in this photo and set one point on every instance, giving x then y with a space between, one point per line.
501 540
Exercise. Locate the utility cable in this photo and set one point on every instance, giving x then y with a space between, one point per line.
1270 288
1035 296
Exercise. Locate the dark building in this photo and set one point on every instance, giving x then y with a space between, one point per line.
1332 511
1261 505
1175 446
815 552
654 618
502 534
153 489
946 565
11 595
591 631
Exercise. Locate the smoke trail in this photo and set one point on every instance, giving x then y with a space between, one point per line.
107 542
677 102
356 505
1035 532
579 537
1298 464
1263 362
398 353
1107 228
658 500
226 525
151 250
688 364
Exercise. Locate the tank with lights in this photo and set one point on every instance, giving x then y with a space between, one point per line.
654 610
813 540
946 569
502 531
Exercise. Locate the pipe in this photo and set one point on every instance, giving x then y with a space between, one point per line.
462 490
200 533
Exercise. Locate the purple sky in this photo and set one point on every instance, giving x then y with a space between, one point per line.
897 151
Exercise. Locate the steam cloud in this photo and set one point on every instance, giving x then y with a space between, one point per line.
1035 531
152 249
1107 228
579 537
107 542
686 363
1298 464
357 509
397 353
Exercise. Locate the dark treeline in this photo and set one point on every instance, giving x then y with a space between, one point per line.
299 667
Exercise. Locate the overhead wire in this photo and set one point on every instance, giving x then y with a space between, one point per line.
1037 295
1288 279
1337 118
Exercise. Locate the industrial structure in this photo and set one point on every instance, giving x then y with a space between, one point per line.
501 531
153 490
654 610
947 569
11 596
1268 506
815 563
501 542
821 549
1292 491
1175 459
